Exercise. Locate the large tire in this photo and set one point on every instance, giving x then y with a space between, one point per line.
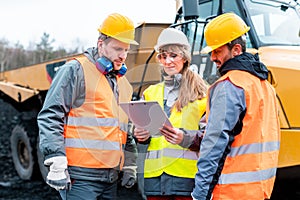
22 152
40 157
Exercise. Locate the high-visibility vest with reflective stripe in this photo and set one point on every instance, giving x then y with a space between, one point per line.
250 167
165 157
96 131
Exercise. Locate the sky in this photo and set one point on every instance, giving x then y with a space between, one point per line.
70 22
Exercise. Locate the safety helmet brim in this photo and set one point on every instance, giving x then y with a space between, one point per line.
125 37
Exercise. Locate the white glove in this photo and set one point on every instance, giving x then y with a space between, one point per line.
58 176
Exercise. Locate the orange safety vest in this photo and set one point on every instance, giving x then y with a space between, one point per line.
96 131
163 156
250 167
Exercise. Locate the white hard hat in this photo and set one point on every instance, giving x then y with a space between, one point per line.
171 36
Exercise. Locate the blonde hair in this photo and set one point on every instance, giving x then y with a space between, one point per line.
192 86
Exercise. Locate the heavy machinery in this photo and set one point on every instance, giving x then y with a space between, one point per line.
274 35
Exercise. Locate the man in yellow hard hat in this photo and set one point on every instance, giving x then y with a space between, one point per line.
239 151
83 131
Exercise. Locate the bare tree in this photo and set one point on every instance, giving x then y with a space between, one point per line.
4 60
16 56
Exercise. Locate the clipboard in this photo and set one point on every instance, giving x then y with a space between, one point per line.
148 115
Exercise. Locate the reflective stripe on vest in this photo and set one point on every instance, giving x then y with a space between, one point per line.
250 176
91 144
247 177
89 121
254 148
172 153
250 167
95 133
165 157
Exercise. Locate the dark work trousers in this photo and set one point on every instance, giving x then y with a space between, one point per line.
91 190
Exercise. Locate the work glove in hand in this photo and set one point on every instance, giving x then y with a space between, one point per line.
58 176
129 176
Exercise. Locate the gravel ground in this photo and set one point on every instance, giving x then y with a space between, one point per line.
11 186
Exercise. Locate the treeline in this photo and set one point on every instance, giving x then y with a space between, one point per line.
16 56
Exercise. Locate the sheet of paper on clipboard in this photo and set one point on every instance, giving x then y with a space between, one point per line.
147 115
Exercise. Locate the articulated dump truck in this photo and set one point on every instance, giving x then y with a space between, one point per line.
274 36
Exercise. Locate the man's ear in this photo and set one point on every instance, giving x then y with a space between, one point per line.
99 43
237 50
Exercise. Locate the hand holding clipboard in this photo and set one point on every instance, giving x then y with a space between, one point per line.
147 115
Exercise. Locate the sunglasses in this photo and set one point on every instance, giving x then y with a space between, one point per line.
173 57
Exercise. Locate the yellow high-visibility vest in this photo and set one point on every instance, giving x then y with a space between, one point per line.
165 157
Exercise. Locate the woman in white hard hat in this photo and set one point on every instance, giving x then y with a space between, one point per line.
170 163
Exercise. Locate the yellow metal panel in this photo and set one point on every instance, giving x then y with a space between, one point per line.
283 62
289 154
32 76
19 94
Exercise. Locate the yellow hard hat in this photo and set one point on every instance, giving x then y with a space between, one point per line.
119 27
223 29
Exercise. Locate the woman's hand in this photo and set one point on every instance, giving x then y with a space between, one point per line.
172 135
141 134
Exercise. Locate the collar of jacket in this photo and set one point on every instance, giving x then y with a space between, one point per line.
246 62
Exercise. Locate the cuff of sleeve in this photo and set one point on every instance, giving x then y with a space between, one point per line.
187 139
146 141
129 168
